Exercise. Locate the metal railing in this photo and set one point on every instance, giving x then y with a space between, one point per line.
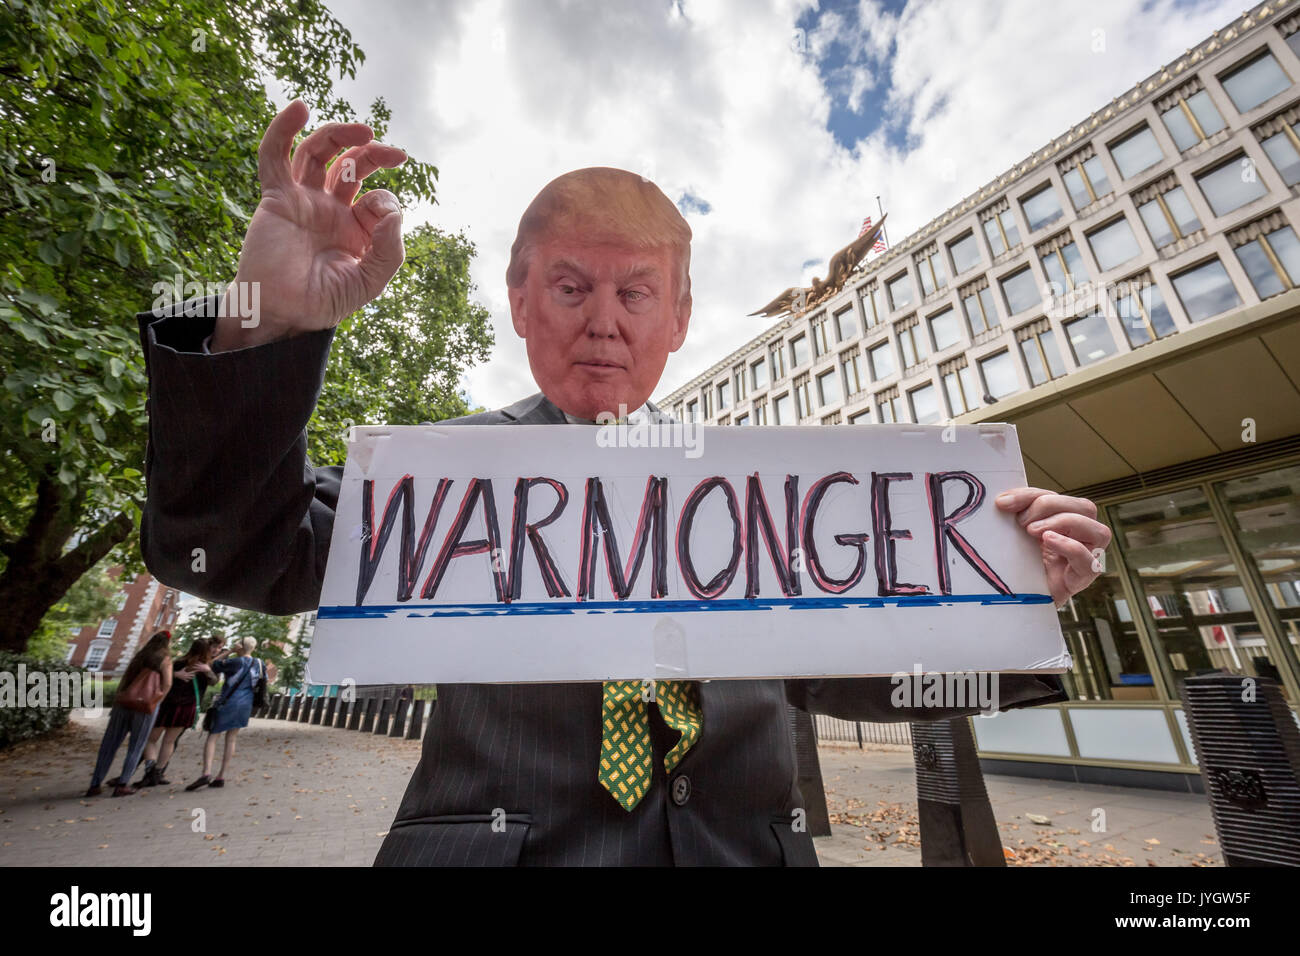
861 732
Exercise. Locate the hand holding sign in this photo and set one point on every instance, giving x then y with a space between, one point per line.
1069 534
316 255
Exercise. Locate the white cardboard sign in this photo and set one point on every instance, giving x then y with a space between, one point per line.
518 553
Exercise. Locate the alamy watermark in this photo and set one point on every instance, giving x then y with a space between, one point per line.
211 300
60 689
947 690
616 431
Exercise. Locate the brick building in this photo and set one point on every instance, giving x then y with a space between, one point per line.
145 605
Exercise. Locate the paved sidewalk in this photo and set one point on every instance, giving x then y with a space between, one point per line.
871 795
300 795
304 795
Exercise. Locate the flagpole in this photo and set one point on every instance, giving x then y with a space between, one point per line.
883 232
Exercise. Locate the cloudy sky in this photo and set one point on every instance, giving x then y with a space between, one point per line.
774 124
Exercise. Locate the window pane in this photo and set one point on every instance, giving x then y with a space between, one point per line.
1293 41
1157 311
1097 176
940 276
945 328
1231 185
1021 291
1255 82
1042 208
1133 322
1009 226
1090 339
1113 244
955 400
1180 127
846 326
1034 361
758 373
999 373
965 253
1262 274
882 361
1099 631
1265 513
828 387
1180 207
925 405
781 411
1079 194
888 412
1206 114
1282 152
927 283
990 310
1287 250
742 420
1136 152
1191 585
995 237
1157 225
798 350
1206 291
861 418
900 291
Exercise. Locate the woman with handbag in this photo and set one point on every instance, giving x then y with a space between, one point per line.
179 710
246 680
146 682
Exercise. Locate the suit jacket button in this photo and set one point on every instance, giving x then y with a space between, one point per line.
681 789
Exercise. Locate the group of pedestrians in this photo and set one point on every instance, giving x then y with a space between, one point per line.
160 698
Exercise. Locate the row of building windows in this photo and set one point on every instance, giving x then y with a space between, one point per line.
1167 214
1269 256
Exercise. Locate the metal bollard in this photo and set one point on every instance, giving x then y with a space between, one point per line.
809 771
304 715
341 716
368 719
414 731
328 719
295 706
957 823
385 711
276 703
1248 749
318 708
399 718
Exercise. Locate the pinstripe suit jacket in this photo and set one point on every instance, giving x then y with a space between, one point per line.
508 772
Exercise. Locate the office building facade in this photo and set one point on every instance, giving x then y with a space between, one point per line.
1129 297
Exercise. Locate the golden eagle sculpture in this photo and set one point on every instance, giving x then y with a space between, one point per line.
797 299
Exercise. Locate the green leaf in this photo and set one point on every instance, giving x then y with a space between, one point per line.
49 253
63 401
116 367
121 253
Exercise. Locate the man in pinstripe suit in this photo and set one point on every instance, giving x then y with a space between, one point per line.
600 290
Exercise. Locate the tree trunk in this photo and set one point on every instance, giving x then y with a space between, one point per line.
38 572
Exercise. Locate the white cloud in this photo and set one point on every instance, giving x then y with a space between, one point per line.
716 100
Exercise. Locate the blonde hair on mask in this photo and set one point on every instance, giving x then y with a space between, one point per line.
598 204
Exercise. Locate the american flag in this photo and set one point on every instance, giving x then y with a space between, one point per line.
879 245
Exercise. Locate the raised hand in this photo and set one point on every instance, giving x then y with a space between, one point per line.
317 255
1068 534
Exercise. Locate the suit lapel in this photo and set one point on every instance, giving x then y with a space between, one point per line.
534 410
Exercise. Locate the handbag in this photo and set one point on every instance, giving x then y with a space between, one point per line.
144 694
259 689
210 718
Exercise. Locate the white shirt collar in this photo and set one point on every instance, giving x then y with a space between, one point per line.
632 418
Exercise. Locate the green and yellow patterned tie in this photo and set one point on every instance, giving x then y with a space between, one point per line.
626 751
